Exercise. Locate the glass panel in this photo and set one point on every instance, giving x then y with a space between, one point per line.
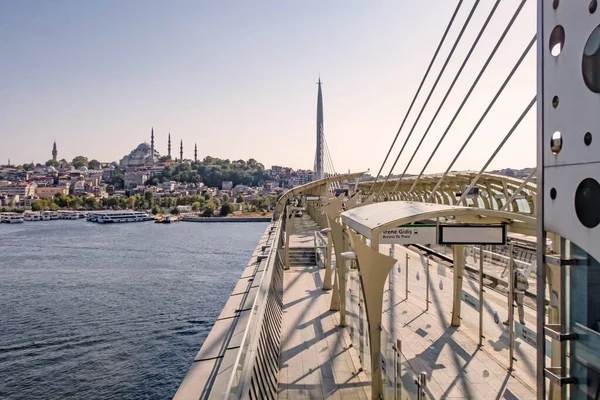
388 366
363 333
583 316
352 303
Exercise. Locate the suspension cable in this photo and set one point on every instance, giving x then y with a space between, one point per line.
460 70
518 190
508 78
514 127
475 82
437 50
462 31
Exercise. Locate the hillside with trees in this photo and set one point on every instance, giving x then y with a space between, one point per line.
212 172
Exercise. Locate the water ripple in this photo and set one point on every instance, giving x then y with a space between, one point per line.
114 312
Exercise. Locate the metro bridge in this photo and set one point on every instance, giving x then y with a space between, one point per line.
449 285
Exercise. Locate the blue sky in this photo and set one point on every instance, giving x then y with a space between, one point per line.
239 79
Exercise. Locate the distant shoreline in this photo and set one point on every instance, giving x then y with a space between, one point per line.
226 219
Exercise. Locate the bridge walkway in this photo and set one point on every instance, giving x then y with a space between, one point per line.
456 366
316 361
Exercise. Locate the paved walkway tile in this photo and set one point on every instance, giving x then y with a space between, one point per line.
315 361
455 365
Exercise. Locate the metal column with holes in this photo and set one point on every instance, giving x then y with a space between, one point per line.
568 173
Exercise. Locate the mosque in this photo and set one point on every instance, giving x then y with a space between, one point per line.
145 155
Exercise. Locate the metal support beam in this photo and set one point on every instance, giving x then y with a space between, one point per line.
458 256
374 268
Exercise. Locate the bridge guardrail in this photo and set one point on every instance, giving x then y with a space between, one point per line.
320 249
257 363
246 335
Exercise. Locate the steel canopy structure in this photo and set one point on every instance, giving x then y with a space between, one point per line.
492 191
372 219
318 188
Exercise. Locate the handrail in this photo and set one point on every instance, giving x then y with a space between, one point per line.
239 385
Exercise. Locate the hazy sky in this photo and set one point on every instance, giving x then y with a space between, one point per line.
238 78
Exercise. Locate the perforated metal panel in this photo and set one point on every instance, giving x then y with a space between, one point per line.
571 107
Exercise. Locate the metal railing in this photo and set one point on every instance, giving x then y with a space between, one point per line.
242 349
320 249
257 362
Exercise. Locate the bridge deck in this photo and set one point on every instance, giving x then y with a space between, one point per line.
316 360
456 366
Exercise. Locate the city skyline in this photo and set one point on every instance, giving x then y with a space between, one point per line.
97 76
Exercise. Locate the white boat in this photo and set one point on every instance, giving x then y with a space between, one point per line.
12 218
32 216
108 217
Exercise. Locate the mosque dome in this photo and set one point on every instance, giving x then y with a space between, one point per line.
140 156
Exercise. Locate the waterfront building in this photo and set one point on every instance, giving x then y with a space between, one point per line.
22 189
49 192
168 186
9 200
135 178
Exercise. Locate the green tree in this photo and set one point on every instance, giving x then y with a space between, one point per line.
196 206
80 161
164 158
225 210
155 210
52 163
149 197
38 205
90 202
239 199
94 164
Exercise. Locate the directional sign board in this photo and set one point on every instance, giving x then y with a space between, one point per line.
409 234
472 234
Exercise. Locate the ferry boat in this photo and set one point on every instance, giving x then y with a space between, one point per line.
107 217
64 214
11 218
32 216
49 215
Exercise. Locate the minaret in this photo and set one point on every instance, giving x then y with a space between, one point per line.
169 146
195 152
152 145
54 152
319 156
181 152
